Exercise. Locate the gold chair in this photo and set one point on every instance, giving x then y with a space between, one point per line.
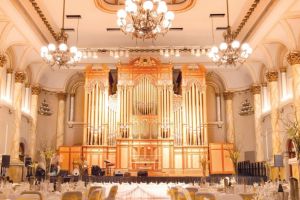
183 194
112 193
92 189
29 195
72 196
192 191
173 192
206 196
96 195
247 196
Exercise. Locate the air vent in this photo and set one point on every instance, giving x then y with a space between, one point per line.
69 29
213 15
73 16
221 28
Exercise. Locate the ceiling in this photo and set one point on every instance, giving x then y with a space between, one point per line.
196 24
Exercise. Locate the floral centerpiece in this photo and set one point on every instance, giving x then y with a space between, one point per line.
47 154
234 155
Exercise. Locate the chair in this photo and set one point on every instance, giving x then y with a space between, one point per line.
294 189
183 194
247 196
112 193
173 192
96 195
30 195
72 196
192 191
204 196
92 189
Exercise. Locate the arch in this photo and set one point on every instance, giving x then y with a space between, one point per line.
215 81
269 62
76 80
289 32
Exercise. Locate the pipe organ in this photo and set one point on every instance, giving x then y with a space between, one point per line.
145 124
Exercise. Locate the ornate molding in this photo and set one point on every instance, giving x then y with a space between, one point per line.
62 96
228 95
9 70
282 69
293 57
264 84
272 76
36 90
256 89
3 60
20 77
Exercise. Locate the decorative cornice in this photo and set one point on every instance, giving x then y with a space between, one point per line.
264 84
61 96
246 17
3 59
27 85
272 76
293 57
43 18
20 77
256 89
228 95
282 69
36 90
72 94
9 70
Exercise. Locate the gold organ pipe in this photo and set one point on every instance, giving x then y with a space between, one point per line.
194 114
190 116
205 118
171 113
183 113
121 110
93 114
100 117
97 132
105 107
85 120
159 111
89 119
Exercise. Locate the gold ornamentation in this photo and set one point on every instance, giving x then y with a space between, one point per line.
272 76
264 84
293 57
256 89
282 69
144 62
20 77
228 95
3 60
9 70
36 90
61 96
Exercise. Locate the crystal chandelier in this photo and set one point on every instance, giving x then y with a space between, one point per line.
246 108
230 52
61 54
44 109
145 19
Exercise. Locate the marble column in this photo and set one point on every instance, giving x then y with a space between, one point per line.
8 86
35 91
230 137
256 91
17 103
293 59
60 127
72 107
283 82
272 78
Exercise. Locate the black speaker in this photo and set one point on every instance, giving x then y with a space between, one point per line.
5 161
142 173
28 161
96 170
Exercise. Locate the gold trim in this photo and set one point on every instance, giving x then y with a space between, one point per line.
293 57
3 59
272 76
256 89
36 90
228 95
20 77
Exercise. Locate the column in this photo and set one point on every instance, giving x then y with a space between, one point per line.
8 83
256 91
293 59
19 80
272 78
60 127
72 106
283 82
265 96
3 61
35 91
27 98
218 102
230 137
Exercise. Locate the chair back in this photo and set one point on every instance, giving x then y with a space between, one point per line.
96 195
226 182
92 189
31 195
183 194
112 193
173 192
247 196
204 196
72 196
192 191
294 189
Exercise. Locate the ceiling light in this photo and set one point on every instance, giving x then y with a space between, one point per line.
145 19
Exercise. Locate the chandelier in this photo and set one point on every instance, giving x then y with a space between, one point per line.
230 52
44 109
246 108
145 19
61 54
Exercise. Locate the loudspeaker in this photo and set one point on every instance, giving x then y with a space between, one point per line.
27 161
96 170
142 173
5 161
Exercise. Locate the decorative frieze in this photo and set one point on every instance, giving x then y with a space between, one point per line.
293 57
228 95
272 76
256 89
20 77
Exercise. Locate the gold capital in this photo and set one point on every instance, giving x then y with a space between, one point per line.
36 90
61 96
282 69
256 89
3 59
228 95
293 57
20 77
272 76
9 70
